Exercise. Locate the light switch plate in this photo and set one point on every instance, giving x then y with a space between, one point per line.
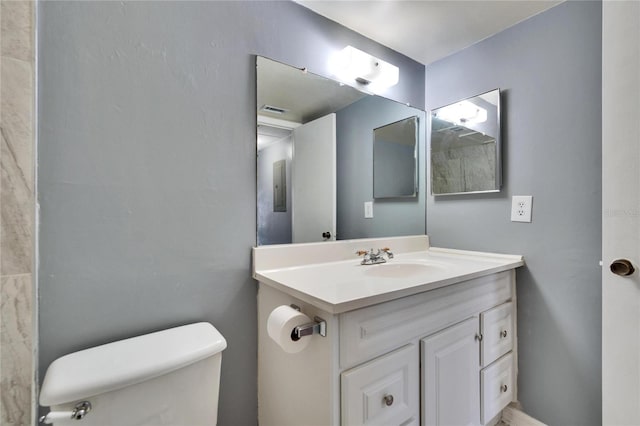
521 208
368 209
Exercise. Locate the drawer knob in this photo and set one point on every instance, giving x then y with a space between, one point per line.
503 333
388 400
503 388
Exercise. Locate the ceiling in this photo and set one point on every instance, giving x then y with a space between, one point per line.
427 30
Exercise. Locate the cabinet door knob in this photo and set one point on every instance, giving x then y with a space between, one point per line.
622 267
388 400
503 333
503 388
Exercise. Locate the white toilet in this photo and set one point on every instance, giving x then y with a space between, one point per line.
171 377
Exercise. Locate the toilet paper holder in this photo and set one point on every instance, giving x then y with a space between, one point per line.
318 326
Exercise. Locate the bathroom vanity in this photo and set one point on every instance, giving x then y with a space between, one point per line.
428 337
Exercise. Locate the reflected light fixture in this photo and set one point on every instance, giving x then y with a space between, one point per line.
353 64
464 112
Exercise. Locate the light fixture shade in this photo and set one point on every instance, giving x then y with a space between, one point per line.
354 64
464 112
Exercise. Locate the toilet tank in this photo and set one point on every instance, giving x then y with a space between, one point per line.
170 377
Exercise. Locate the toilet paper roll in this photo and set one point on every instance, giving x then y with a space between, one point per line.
282 320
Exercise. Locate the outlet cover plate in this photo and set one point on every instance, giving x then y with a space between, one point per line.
521 208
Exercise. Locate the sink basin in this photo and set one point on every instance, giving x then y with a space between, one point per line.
398 270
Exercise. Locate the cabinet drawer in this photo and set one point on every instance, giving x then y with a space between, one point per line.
384 391
496 326
496 382
368 332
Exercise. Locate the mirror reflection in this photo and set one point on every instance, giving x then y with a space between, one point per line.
395 158
465 146
315 160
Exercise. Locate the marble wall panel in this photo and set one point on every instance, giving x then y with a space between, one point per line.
17 202
16 198
15 349
17 30
17 112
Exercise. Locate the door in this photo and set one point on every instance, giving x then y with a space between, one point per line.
450 376
621 212
314 181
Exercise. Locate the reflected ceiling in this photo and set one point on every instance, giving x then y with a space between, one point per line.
302 96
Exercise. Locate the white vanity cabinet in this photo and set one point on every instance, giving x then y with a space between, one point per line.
427 339
440 357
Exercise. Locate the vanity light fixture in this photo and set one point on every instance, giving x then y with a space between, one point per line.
354 64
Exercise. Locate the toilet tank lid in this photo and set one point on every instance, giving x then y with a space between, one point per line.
113 366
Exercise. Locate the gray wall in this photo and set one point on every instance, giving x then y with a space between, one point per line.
147 167
549 68
354 170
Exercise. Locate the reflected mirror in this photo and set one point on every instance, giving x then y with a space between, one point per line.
315 159
465 146
395 159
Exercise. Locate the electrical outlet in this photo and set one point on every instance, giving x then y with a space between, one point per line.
368 209
521 208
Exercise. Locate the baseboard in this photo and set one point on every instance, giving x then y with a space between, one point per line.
513 416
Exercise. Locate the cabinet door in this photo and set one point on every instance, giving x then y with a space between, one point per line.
450 376
383 391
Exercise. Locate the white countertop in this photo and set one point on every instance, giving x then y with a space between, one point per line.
319 274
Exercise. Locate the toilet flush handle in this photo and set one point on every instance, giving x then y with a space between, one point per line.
79 412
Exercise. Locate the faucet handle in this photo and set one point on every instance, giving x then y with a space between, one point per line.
387 250
362 252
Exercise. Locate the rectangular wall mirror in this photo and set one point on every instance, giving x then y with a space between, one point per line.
395 159
465 146
315 165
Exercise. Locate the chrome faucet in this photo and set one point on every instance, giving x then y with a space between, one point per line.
374 258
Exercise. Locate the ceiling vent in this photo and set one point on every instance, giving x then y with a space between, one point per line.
273 109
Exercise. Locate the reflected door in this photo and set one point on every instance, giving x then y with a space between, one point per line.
314 181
